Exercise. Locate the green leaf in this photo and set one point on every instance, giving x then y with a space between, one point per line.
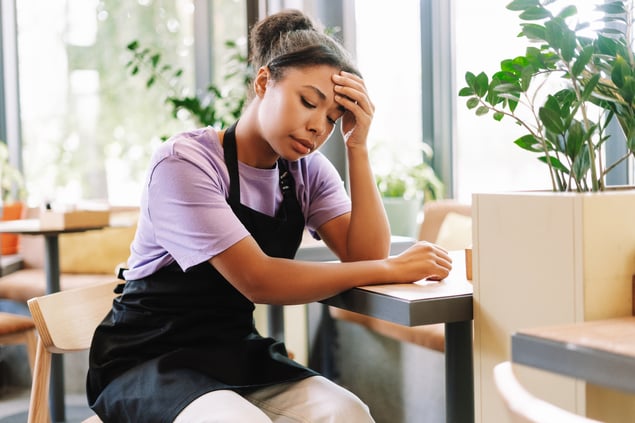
582 60
133 45
472 102
554 163
533 31
568 12
154 59
535 13
483 110
470 79
498 116
530 143
581 164
481 84
518 5
466 91
619 71
575 139
551 119
527 75
613 8
589 87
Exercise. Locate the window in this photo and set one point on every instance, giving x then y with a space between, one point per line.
88 126
389 56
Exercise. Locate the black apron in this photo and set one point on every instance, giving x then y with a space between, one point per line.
174 336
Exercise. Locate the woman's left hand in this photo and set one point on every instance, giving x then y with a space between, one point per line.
351 94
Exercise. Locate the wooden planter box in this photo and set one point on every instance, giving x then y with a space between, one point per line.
542 258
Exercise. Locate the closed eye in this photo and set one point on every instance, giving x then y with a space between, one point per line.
306 103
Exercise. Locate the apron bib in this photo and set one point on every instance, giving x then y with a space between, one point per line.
174 336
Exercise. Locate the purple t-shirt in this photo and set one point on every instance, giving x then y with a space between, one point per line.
184 214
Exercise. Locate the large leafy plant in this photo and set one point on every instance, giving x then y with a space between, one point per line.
218 106
595 77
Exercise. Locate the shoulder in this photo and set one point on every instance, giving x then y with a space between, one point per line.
199 147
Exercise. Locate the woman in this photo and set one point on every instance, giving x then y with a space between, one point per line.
221 219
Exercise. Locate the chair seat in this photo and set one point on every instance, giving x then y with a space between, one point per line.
13 323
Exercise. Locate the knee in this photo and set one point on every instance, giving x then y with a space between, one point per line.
346 408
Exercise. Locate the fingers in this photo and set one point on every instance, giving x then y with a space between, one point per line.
351 93
426 261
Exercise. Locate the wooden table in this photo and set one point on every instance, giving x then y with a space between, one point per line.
601 351
423 303
52 272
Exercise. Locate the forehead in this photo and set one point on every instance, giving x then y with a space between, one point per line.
319 76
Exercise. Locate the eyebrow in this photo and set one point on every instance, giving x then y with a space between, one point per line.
323 96
317 91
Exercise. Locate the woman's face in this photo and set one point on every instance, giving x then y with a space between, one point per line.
297 113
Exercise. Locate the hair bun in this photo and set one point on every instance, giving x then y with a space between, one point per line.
266 34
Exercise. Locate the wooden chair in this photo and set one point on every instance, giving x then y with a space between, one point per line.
16 329
523 407
65 322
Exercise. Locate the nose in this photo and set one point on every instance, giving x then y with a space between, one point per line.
317 125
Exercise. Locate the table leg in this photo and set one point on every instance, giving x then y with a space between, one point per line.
459 373
275 322
52 270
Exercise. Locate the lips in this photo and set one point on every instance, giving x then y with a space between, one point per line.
299 143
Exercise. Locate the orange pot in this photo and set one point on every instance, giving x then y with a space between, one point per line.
10 242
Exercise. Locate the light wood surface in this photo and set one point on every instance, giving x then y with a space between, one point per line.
65 322
613 335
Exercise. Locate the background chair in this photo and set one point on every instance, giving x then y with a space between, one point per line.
523 407
65 322
16 329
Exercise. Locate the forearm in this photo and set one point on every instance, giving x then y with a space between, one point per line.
369 232
273 280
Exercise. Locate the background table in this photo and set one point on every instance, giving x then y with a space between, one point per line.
600 351
422 303
52 272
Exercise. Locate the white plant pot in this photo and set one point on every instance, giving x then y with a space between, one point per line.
403 215
542 258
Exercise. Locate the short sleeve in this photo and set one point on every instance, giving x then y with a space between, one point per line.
187 208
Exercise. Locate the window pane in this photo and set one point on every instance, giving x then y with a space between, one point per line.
89 126
486 159
389 57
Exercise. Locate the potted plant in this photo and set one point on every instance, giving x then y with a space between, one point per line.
12 192
565 125
564 255
404 186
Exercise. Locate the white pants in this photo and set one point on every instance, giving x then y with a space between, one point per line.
311 400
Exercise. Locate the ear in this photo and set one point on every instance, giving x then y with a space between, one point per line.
261 80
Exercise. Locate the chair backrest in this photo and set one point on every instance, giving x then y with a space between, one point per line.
523 407
66 322
435 223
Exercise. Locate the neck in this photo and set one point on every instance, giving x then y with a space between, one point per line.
253 149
